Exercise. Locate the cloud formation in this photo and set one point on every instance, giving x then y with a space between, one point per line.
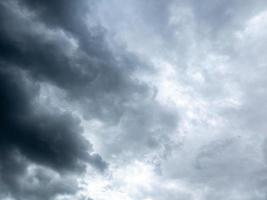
133 99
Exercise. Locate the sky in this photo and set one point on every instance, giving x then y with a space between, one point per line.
133 100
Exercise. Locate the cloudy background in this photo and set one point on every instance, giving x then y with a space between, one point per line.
133 100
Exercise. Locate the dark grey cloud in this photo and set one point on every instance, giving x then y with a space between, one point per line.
92 71
45 59
27 129
30 134
89 84
47 42
20 179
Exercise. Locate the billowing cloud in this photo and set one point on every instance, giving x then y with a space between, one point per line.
148 100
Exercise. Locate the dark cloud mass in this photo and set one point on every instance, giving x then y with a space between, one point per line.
48 42
29 134
133 99
41 136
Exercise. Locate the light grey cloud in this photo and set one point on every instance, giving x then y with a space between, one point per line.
217 53
165 98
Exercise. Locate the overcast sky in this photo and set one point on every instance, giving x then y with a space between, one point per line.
133 100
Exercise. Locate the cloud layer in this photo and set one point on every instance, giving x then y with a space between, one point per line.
148 100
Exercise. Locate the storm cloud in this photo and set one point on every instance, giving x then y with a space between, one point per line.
150 100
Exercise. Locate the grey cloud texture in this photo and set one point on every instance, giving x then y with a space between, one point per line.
217 52
149 100
50 43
